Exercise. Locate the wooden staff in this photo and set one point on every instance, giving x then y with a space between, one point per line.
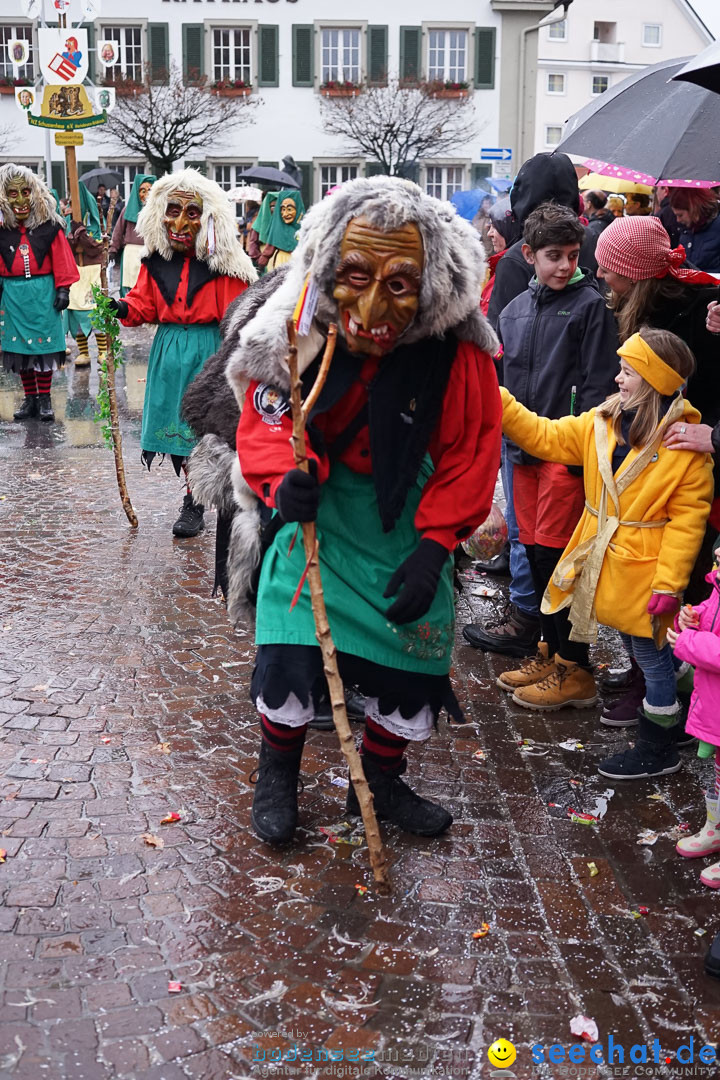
109 374
300 413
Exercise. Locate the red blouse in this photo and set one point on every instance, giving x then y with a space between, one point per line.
59 261
147 304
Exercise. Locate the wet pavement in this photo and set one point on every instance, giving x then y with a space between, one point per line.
124 698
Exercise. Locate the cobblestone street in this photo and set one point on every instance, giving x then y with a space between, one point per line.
124 698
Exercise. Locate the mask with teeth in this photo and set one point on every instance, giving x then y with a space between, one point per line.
183 215
18 195
377 284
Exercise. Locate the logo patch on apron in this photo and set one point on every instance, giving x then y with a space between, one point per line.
270 403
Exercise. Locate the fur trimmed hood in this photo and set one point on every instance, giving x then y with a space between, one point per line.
42 207
225 254
452 278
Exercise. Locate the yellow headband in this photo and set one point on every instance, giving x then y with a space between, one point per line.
642 359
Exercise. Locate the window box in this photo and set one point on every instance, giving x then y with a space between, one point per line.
449 89
124 87
7 85
340 89
231 88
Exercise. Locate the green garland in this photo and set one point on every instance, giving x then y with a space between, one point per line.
105 321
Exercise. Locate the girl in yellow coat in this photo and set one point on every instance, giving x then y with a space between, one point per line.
631 554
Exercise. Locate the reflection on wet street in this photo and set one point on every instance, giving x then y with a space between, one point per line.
189 949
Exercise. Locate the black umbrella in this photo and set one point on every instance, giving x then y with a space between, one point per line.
262 174
703 69
93 179
667 129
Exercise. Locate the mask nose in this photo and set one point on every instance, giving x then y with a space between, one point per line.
371 306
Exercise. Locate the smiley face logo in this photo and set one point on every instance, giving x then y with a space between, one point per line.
501 1054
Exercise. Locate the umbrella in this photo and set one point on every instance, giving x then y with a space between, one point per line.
93 179
703 69
245 193
500 183
262 174
613 184
662 128
467 203
617 172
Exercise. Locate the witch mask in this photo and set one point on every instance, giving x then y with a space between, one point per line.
183 215
19 196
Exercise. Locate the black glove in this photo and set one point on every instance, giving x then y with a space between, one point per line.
298 496
419 576
62 298
119 308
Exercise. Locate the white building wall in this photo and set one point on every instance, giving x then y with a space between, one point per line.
288 120
626 29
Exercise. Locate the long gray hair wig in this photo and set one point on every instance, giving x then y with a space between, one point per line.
42 201
217 241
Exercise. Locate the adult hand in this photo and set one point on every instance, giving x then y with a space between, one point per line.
672 636
687 618
662 604
298 496
119 308
419 576
713 317
62 298
683 436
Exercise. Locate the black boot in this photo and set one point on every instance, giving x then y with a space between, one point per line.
29 408
45 409
654 754
190 522
396 802
274 810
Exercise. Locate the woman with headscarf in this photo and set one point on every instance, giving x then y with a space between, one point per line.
698 214
257 236
502 232
126 240
283 232
85 237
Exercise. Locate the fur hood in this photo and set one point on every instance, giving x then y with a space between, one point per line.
42 206
452 278
223 251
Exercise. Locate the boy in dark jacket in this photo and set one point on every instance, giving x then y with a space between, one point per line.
559 340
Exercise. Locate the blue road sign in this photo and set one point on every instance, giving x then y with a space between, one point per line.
496 153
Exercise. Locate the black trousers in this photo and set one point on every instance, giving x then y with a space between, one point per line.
555 628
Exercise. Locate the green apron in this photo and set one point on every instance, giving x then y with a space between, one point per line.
78 322
28 321
357 559
177 355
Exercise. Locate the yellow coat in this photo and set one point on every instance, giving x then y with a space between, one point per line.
649 538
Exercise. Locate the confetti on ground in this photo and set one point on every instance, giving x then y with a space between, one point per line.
483 590
174 987
584 1028
644 910
106 739
700 932
153 841
593 869
162 748
580 818
3 854
170 818
657 798
571 744
343 833
482 931
646 838
361 889
340 781
479 755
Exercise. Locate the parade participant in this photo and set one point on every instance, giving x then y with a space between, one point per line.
37 269
126 240
630 556
85 237
282 235
193 268
258 234
503 231
404 447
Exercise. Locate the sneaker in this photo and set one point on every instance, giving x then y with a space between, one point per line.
566 686
516 633
624 713
534 669
191 521
654 754
394 801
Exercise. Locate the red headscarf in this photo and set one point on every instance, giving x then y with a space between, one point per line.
639 248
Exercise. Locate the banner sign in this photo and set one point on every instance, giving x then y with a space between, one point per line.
80 122
63 55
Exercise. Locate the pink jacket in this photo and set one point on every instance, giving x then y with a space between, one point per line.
701 648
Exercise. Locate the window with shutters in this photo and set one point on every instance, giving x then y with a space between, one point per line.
232 54
332 175
341 55
12 33
227 175
447 59
442 181
128 170
129 41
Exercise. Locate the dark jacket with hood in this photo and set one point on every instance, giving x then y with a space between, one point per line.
543 178
702 245
555 341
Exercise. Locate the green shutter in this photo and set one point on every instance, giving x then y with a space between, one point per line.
306 167
269 164
303 65
193 51
485 58
268 56
410 171
374 168
159 52
58 178
377 40
93 66
478 173
410 53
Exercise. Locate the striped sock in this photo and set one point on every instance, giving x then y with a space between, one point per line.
82 344
717 772
101 340
282 738
385 748
27 378
44 381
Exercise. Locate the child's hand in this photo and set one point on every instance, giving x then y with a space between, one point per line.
672 636
688 618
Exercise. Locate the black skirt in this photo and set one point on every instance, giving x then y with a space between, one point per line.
19 362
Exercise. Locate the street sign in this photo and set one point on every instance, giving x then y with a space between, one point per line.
503 169
496 153
69 138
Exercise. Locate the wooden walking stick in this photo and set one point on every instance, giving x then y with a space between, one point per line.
107 373
300 413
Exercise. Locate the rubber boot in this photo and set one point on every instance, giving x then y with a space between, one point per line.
396 802
534 669
190 521
654 753
275 810
29 408
45 409
711 876
707 841
567 686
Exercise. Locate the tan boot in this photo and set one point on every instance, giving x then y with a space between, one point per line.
568 685
533 670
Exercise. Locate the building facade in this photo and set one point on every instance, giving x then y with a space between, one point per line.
284 51
598 45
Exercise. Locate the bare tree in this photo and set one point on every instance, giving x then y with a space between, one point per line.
165 122
398 125
7 132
